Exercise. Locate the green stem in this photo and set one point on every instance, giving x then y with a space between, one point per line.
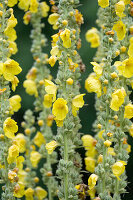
116 194
49 181
105 151
49 190
104 162
66 160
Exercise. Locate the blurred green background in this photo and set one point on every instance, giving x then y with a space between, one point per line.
87 114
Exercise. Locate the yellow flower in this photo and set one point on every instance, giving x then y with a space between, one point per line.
20 141
33 6
31 88
13 153
55 38
93 84
13 48
97 69
107 143
14 82
90 164
12 175
60 109
12 3
119 9
100 158
88 142
51 146
24 5
9 31
15 104
27 17
12 21
128 111
77 187
32 74
93 37
118 168
128 149
125 68
50 119
131 130
19 162
19 190
120 29
92 181
69 81
44 9
22 176
9 69
10 127
29 194
48 99
39 139
40 193
35 158
78 17
91 152
105 90
11 34
117 99
52 60
111 151
72 65
53 18
54 52
81 192
92 193
65 36
50 88
130 50
2 90
100 133
77 103
103 3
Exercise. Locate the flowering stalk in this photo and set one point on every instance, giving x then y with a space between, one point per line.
113 104
29 130
35 86
121 146
65 108
32 158
8 69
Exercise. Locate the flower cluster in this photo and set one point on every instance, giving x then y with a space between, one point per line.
66 105
10 160
37 81
32 158
112 74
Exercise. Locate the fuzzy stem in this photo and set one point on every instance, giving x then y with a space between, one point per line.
66 161
49 180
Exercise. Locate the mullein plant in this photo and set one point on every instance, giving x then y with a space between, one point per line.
37 78
32 158
68 102
111 80
9 68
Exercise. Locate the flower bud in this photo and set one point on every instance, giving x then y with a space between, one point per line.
107 143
